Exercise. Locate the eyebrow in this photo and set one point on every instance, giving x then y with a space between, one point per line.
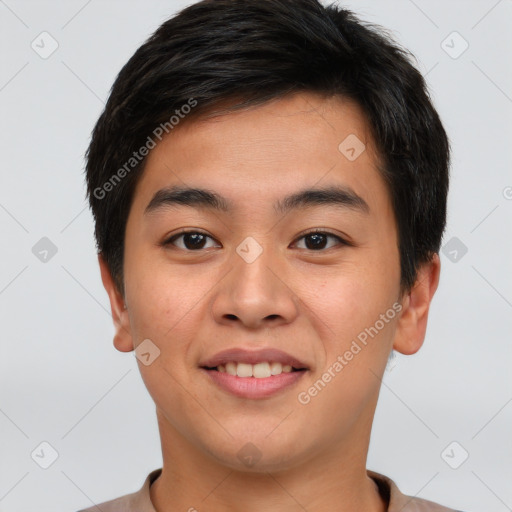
334 195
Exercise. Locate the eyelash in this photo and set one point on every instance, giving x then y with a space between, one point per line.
342 241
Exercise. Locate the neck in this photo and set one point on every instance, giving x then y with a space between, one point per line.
193 480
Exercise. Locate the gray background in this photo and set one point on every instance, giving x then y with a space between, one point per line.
63 383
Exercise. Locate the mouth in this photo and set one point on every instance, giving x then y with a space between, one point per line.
252 387
253 363
262 370
253 374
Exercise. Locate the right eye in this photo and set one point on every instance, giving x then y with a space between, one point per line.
191 240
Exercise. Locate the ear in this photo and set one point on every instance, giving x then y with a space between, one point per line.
412 324
122 337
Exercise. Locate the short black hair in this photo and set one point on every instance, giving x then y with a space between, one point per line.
244 53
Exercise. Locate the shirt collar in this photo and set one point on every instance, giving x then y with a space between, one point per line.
397 502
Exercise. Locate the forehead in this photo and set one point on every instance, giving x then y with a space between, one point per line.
269 151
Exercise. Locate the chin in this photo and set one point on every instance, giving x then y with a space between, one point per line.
258 454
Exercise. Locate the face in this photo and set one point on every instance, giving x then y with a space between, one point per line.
316 278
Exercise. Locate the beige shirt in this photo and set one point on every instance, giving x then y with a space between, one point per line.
397 502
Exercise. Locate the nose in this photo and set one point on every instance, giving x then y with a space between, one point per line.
255 294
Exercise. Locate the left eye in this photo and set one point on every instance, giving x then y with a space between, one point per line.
318 240
195 240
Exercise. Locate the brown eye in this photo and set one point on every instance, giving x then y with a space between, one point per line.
191 240
318 240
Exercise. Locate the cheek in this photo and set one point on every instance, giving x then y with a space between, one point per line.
166 307
154 292
353 305
362 322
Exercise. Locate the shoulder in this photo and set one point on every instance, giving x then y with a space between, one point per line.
138 501
121 504
401 502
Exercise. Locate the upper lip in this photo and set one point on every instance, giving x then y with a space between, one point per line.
240 355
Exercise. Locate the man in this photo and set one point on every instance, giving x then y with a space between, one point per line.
268 182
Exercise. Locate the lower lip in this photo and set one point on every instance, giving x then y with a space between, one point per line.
251 387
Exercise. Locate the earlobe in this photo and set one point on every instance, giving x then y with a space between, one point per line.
122 337
412 324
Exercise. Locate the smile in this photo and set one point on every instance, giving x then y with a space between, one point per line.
252 387
259 371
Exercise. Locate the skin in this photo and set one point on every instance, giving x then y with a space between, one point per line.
308 302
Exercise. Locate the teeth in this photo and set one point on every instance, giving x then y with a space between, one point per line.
231 368
244 370
276 368
259 370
